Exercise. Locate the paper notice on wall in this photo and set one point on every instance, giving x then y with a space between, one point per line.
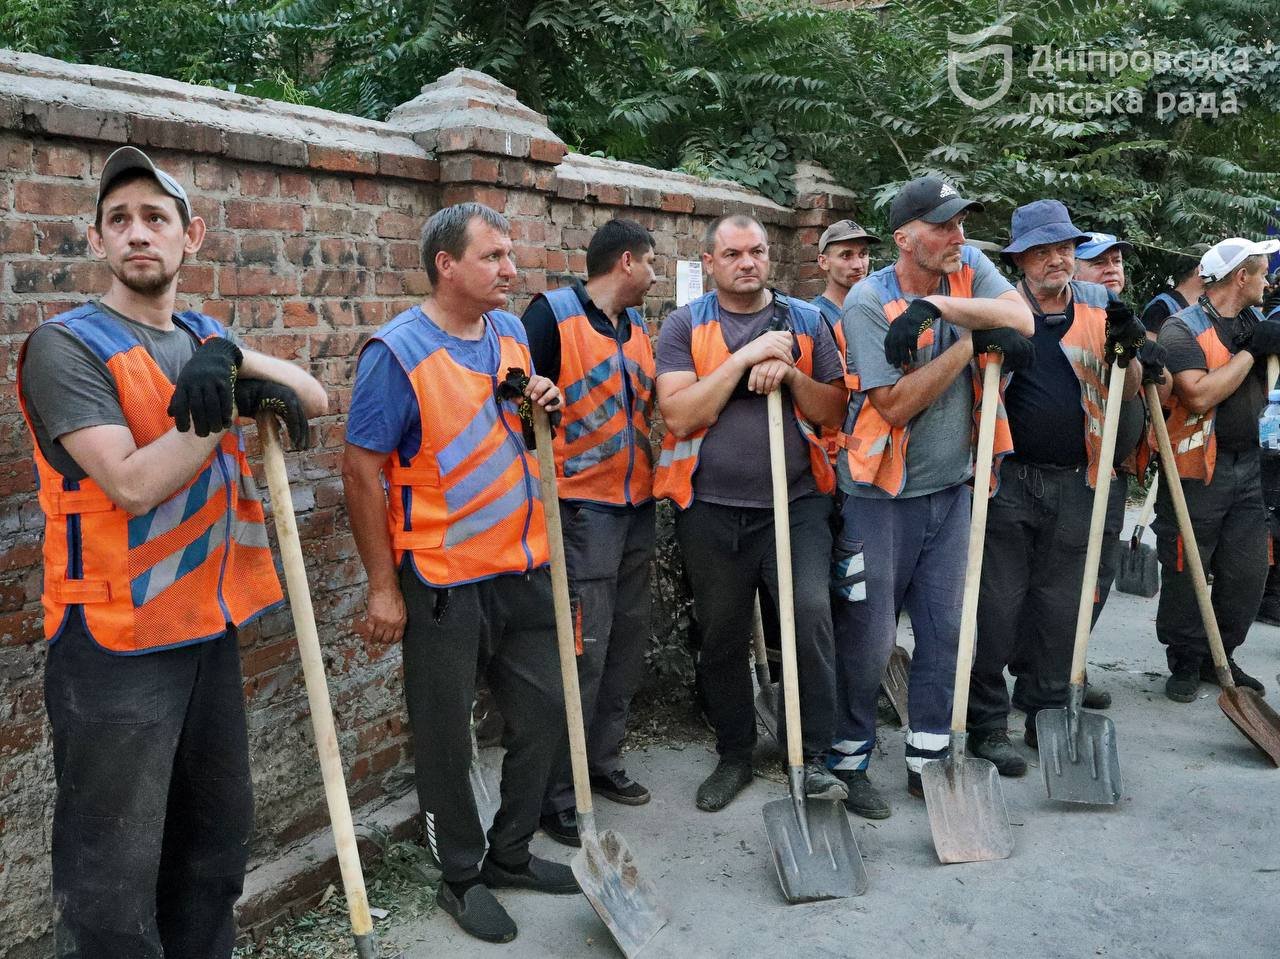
688 281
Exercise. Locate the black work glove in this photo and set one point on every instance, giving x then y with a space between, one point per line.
206 386
1271 297
256 397
1152 356
512 388
1125 334
1265 340
900 341
1015 350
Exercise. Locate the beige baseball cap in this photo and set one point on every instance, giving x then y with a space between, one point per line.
843 230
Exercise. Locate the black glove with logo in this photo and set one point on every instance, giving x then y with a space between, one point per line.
1152 356
512 388
206 386
1015 350
1265 340
1125 333
256 397
900 341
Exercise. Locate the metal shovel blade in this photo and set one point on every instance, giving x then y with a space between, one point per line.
625 901
897 674
485 793
1078 756
1253 717
825 863
1139 571
767 709
966 809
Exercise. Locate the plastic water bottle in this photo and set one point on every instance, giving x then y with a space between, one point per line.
1269 424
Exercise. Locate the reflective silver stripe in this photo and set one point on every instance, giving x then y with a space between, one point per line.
592 421
683 450
249 533
487 516
170 514
181 561
597 454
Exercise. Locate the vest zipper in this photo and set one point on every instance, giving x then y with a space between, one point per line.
226 541
628 412
528 480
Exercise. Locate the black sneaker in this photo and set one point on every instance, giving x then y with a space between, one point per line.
1208 674
1269 612
728 779
915 787
995 747
561 826
1183 685
540 875
618 787
821 783
478 913
1029 734
864 799
1095 698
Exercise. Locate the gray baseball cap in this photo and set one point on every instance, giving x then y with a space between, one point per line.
131 158
842 231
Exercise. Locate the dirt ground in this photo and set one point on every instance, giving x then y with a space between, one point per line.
1186 865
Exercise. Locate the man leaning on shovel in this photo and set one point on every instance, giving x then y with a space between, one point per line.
155 552
456 552
717 359
913 330
1038 520
592 342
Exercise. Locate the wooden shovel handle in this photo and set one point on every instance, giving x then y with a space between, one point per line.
1149 503
786 597
1190 551
1273 370
977 539
564 616
304 624
1097 520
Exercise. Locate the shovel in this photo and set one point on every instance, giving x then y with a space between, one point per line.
962 793
486 796
813 846
304 624
1139 570
604 867
1244 707
897 675
767 697
1078 755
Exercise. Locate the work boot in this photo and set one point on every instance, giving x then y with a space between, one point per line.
1182 685
478 913
821 783
915 786
618 787
562 826
1095 698
1269 611
729 778
1029 734
540 875
1208 674
863 799
995 747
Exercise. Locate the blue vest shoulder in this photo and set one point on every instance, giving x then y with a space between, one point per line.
564 303
1090 294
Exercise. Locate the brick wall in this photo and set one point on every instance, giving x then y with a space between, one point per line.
312 221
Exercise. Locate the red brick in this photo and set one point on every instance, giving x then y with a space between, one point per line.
61 161
55 199
65 238
330 219
24 554
42 276
218 247
212 175
577 262
175 134
526 203
398 226
20 318
370 256
297 313
257 250
332 282
257 182
286 346
18 236
380 761
408 167
257 314
193 278
336 344
295 185
677 203
21 737
15 153
298 250
404 256
256 281
369 191
557 261
223 310
259 215
530 257
345 161
490 196
337 252
469 169
260 660
546 151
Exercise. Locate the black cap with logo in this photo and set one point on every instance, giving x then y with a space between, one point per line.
928 198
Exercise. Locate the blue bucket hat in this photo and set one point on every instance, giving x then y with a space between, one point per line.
1038 223
1096 244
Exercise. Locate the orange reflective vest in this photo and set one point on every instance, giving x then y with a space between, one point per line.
875 452
602 446
465 505
678 460
178 574
1195 446
1085 346
831 313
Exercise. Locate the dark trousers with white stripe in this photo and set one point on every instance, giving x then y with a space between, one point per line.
505 627
607 554
1230 523
154 801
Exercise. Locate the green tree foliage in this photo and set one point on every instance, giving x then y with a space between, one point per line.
744 89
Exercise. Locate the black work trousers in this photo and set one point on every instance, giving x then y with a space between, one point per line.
729 552
1032 570
154 802
1230 523
505 628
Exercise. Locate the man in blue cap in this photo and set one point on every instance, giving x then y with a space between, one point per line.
1038 520
1100 259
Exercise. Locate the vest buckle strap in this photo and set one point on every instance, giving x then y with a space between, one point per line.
74 592
69 502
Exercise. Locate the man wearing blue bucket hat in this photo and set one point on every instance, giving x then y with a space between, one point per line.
1038 521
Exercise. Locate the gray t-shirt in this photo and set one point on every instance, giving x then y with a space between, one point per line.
733 463
67 388
940 450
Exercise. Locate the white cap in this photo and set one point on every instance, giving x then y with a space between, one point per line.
1224 257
